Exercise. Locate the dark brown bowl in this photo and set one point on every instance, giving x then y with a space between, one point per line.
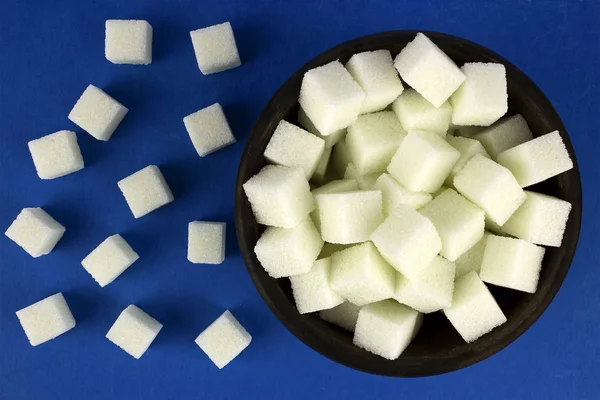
437 348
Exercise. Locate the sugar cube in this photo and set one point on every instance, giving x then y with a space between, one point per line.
215 48
224 339
128 42
312 291
330 140
394 194
343 315
206 242
145 191
322 170
504 134
472 258
340 157
416 113
209 130
337 186
467 148
35 231
56 155
46 319
109 260
134 331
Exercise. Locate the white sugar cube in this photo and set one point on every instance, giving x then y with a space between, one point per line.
468 148
97 113
386 328
292 146
394 194
474 311
330 140
360 275
312 290
215 48
416 113
340 157
224 339
541 220
109 260
482 98
491 187
428 70
128 42
206 242
407 240
430 290
286 252
423 161
459 222
337 186
46 319
330 97
343 315
134 331
471 260
504 134
322 170
512 263
349 217
145 191
209 130
537 160
279 196
375 73
56 155
35 231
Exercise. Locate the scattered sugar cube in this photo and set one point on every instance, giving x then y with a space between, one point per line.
467 148
145 191
209 130
430 290
337 186
394 194
375 73
491 187
215 48
224 339
428 70
321 172
330 140
349 217
504 134
97 113
360 275
340 157
471 260
386 328
279 196
407 240
512 263
128 42
286 252
482 98
423 161
416 113
56 155
206 242
330 97
343 315
541 220
537 160
312 291
46 319
109 260
35 231
134 331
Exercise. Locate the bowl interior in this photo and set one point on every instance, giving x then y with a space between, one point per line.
437 348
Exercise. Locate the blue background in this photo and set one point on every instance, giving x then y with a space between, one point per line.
51 50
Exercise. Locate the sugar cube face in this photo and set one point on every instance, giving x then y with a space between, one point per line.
360 275
330 97
279 196
35 231
292 146
416 113
109 260
482 98
349 217
541 220
428 70
394 194
459 223
134 331
430 290
224 339
128 42
320 174
386 328
46 319
491 187
375 73
423 161
215 48
537 160
372 141
504 134
312 291
344 315
206 242
330 140
209 130
512 263
286 252
97 113
471 260
468 148
337 186
340 157
56 155
145 191
407 240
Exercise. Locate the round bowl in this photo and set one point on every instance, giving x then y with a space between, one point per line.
437 348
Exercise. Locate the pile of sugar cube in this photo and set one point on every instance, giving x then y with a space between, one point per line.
390 201
58 154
